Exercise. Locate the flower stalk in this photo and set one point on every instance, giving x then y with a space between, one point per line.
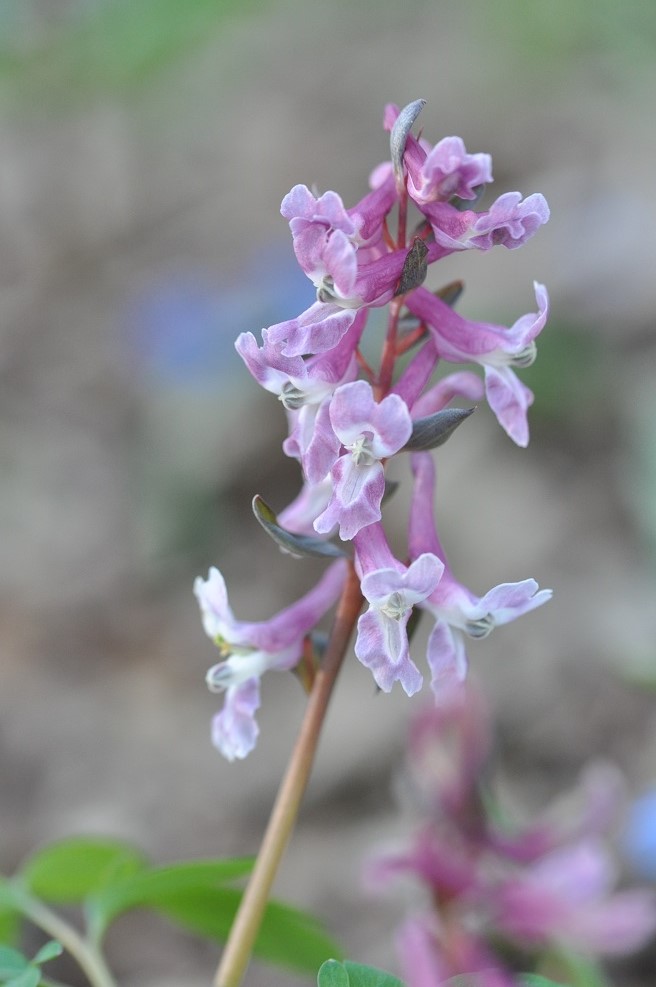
86 954
243 934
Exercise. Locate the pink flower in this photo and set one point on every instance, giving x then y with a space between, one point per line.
509 222
496 348
437 174
457 609
566 898
369 432
251 648
391 590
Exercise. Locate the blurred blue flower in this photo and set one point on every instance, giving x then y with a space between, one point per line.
183 326
640 835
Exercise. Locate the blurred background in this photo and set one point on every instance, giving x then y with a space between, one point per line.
145 146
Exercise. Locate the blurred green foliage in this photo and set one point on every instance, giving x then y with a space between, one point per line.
554 35
50 52
570 378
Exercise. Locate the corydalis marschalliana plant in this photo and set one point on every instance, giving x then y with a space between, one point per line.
347 419
501 896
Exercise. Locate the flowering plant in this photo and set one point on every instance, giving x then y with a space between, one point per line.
347 420
501 894
491 891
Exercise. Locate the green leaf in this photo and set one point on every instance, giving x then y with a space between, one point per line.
574 970
332 974
9 918
369 976
287 937
297 545
190 895
148 889
30 977
10 925
12 962
434 430
72 869
535 980
6 893
348 974
48 951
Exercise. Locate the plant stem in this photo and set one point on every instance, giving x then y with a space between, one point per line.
243 933
88 958
389 355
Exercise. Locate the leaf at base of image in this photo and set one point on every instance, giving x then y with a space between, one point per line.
70 870
193 895
348 974
17 971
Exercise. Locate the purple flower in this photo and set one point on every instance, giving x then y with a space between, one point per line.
565 897
312 440
324 323
347 258
299 516
457 609
304 387
332 244
369 433
449 747
445 865
251 648
429 959
419 958
319 328
296 381
496 348
326 235
488 898
437 174
509 222
391 590
463 384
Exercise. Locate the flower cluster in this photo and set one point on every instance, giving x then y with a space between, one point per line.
500 899
347 419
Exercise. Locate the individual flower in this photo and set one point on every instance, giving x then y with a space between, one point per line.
298 382
369 432
437 174
392 590
249 649
327 237
456 609
567 898
496 348
318 329
304 387
509 222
